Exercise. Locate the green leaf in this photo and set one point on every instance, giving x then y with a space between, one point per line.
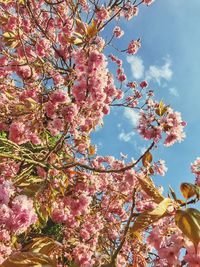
188 221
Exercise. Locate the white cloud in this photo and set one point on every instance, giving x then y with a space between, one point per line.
132 116
154 72
158 73
137 66
173 91
126 137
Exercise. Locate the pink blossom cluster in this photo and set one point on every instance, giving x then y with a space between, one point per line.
133 46
195 168
152 125
160 167
118 33
102 14
169 243
130 11
148 2
17 213
86 222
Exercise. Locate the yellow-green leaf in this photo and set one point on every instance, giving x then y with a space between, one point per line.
8 35
161 108
80 26
147 218
188 221
74 40
92 29
172 193
43 214
189 190
91 150
149 188
10 38
146 159
29 180
28 259
43 245
5 1
23 175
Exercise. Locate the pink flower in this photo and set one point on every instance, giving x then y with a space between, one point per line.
30 93
131 11
6 191
41 172
5 213
83 255
195 168
84 5
121 76
106 110
191 257
59 215
24 72
170 139
4 235
132 85
160 167
17 132
118 32
34 138
42 47
55 126
148 2
5 251
96 58
102 14
3 60
143 84
50 109
59 97
116 60
133 47
171 254
12 23
69 112
23 213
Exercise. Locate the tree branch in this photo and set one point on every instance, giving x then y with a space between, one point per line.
127 167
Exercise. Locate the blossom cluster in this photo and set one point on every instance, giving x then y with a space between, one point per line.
195 169
169 243
17 212
160 121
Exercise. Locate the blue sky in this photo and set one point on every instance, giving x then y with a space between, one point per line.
170 59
